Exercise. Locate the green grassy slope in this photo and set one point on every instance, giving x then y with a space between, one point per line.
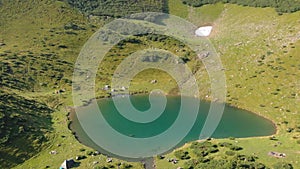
118 8
40 42
265 51
282 6
141 83
22 122
260 54
33 65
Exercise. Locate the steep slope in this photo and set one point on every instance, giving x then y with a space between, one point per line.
35 60
118 8
24 126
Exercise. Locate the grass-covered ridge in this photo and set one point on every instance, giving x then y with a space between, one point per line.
281 6
118 8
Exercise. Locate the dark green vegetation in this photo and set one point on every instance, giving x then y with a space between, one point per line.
118 8
281 6
35 62
214 154
28 71
24 125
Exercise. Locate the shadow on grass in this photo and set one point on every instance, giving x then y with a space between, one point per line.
23 126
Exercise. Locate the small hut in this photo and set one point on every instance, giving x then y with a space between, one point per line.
67 164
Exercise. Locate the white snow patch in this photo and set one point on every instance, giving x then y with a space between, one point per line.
204 31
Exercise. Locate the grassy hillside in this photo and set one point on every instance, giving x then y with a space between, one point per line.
281 6
40 41
141 83
33 65
118 8
260 54
17 114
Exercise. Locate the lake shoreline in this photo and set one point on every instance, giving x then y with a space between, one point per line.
204 99
72 113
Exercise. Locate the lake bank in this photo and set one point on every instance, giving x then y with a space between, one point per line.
228 127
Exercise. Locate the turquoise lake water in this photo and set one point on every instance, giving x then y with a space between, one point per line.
235 122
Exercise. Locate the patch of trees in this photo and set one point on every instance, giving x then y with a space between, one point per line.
282 165
122 165
205 159
203 155
118 8
183 155
281 6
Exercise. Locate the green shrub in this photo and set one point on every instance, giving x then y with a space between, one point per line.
89 153
183 155
282 165
225 144
251 158
80 157
200 153
100 167
190 164
260 166
125 166
273 138
289 130
213 150
230 153
236 148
